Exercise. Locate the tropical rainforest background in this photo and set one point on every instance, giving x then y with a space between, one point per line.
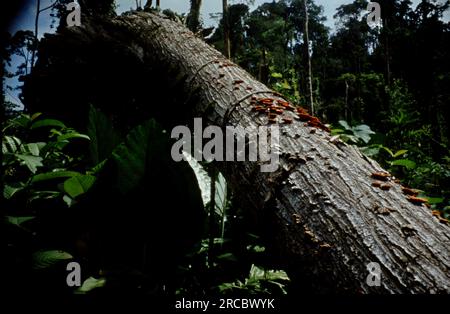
88 186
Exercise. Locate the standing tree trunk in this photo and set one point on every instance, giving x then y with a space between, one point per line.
325 218
226 30
308 55
36 33
387 55
193 19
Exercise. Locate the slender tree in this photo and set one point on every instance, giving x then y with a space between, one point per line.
36 31
226 30
306 39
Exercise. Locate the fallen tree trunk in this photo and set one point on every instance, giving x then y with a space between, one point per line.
326 220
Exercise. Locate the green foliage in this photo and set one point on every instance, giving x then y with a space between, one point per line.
285 84
103 136
18 221
141 149
90 284
258 281
50 186
46 123
45 160
359 134
46 259
78 185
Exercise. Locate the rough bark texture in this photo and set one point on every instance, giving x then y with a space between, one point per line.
326 220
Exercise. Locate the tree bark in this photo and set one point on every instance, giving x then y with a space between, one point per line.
323 218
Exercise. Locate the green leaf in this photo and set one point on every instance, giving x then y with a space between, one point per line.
256 273
102 134
221 195
337 131
31 149
97 168
46 259
78 185
144 161
68 200
142 146
90 284
370 151
203 178
44 195
32 162
54 175
10 144
285 85
36 115
23 121
363 132
9 191
390 152
276 275
47 122
72 135
435 200
345 125
409 164
17 221
276 75
399 153
349 138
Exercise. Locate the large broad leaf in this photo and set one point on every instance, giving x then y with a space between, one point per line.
203 178
46 259
103 136
47 123
54 175
221 194
143 172
221 201
143 145
78 185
